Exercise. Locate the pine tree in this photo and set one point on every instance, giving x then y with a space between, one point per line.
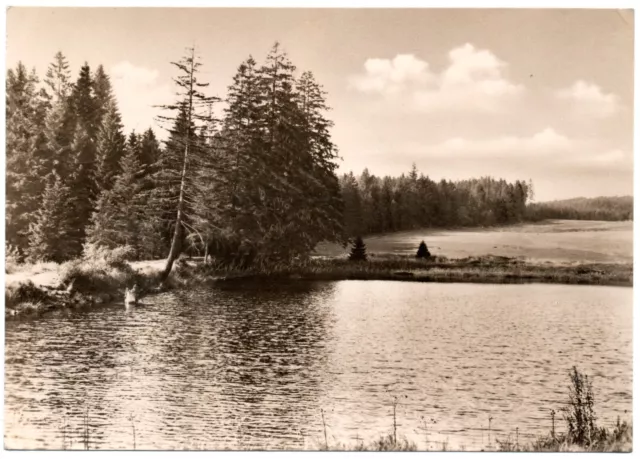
82 174
273 194
149 150
423 251
322 197
110 147
358 250
26 159
103 94
85 104
236 206
50 233
58 133
58 78
282 143
177 178
82 182
60 120
119 216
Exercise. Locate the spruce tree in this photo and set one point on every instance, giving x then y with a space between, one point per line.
103 94
149 150
82 182
50 235
118 218
282 142
58 133
60 119
236 204
58 78
86 106
423 251
275 185
152 243
110 148
82 174
26 158
322 190
358 250
180 157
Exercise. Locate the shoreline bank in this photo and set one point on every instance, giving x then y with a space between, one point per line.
482 270
85 284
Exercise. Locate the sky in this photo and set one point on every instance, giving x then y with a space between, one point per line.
542 94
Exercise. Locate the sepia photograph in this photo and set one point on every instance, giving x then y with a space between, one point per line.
318 229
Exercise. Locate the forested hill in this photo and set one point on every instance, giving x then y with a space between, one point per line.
609 208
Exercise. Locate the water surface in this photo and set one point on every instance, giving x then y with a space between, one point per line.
252 366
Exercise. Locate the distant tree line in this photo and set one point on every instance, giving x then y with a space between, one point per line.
614 208
383 204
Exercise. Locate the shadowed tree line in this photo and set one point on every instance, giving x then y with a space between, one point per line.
67 159
384 204
256 185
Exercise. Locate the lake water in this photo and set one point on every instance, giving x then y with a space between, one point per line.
255 366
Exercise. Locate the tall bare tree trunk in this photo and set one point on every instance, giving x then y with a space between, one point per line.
176 242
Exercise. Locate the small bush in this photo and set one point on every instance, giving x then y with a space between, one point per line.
101 256
423 251
579 414
386 443
358 251
508 445
99 270
31 308
583 433
24 293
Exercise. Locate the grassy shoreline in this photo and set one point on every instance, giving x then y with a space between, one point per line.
101 278
487 269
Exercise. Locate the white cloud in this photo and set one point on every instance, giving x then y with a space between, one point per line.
390 76
588 99
473 81
137 90
545 142
610 158
543 150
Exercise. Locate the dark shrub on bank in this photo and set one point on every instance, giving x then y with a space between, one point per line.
101 270
423 251
26 293
358 250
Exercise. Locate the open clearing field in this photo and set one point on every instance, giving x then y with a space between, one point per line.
554 240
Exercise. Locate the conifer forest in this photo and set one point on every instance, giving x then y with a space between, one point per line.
255 185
